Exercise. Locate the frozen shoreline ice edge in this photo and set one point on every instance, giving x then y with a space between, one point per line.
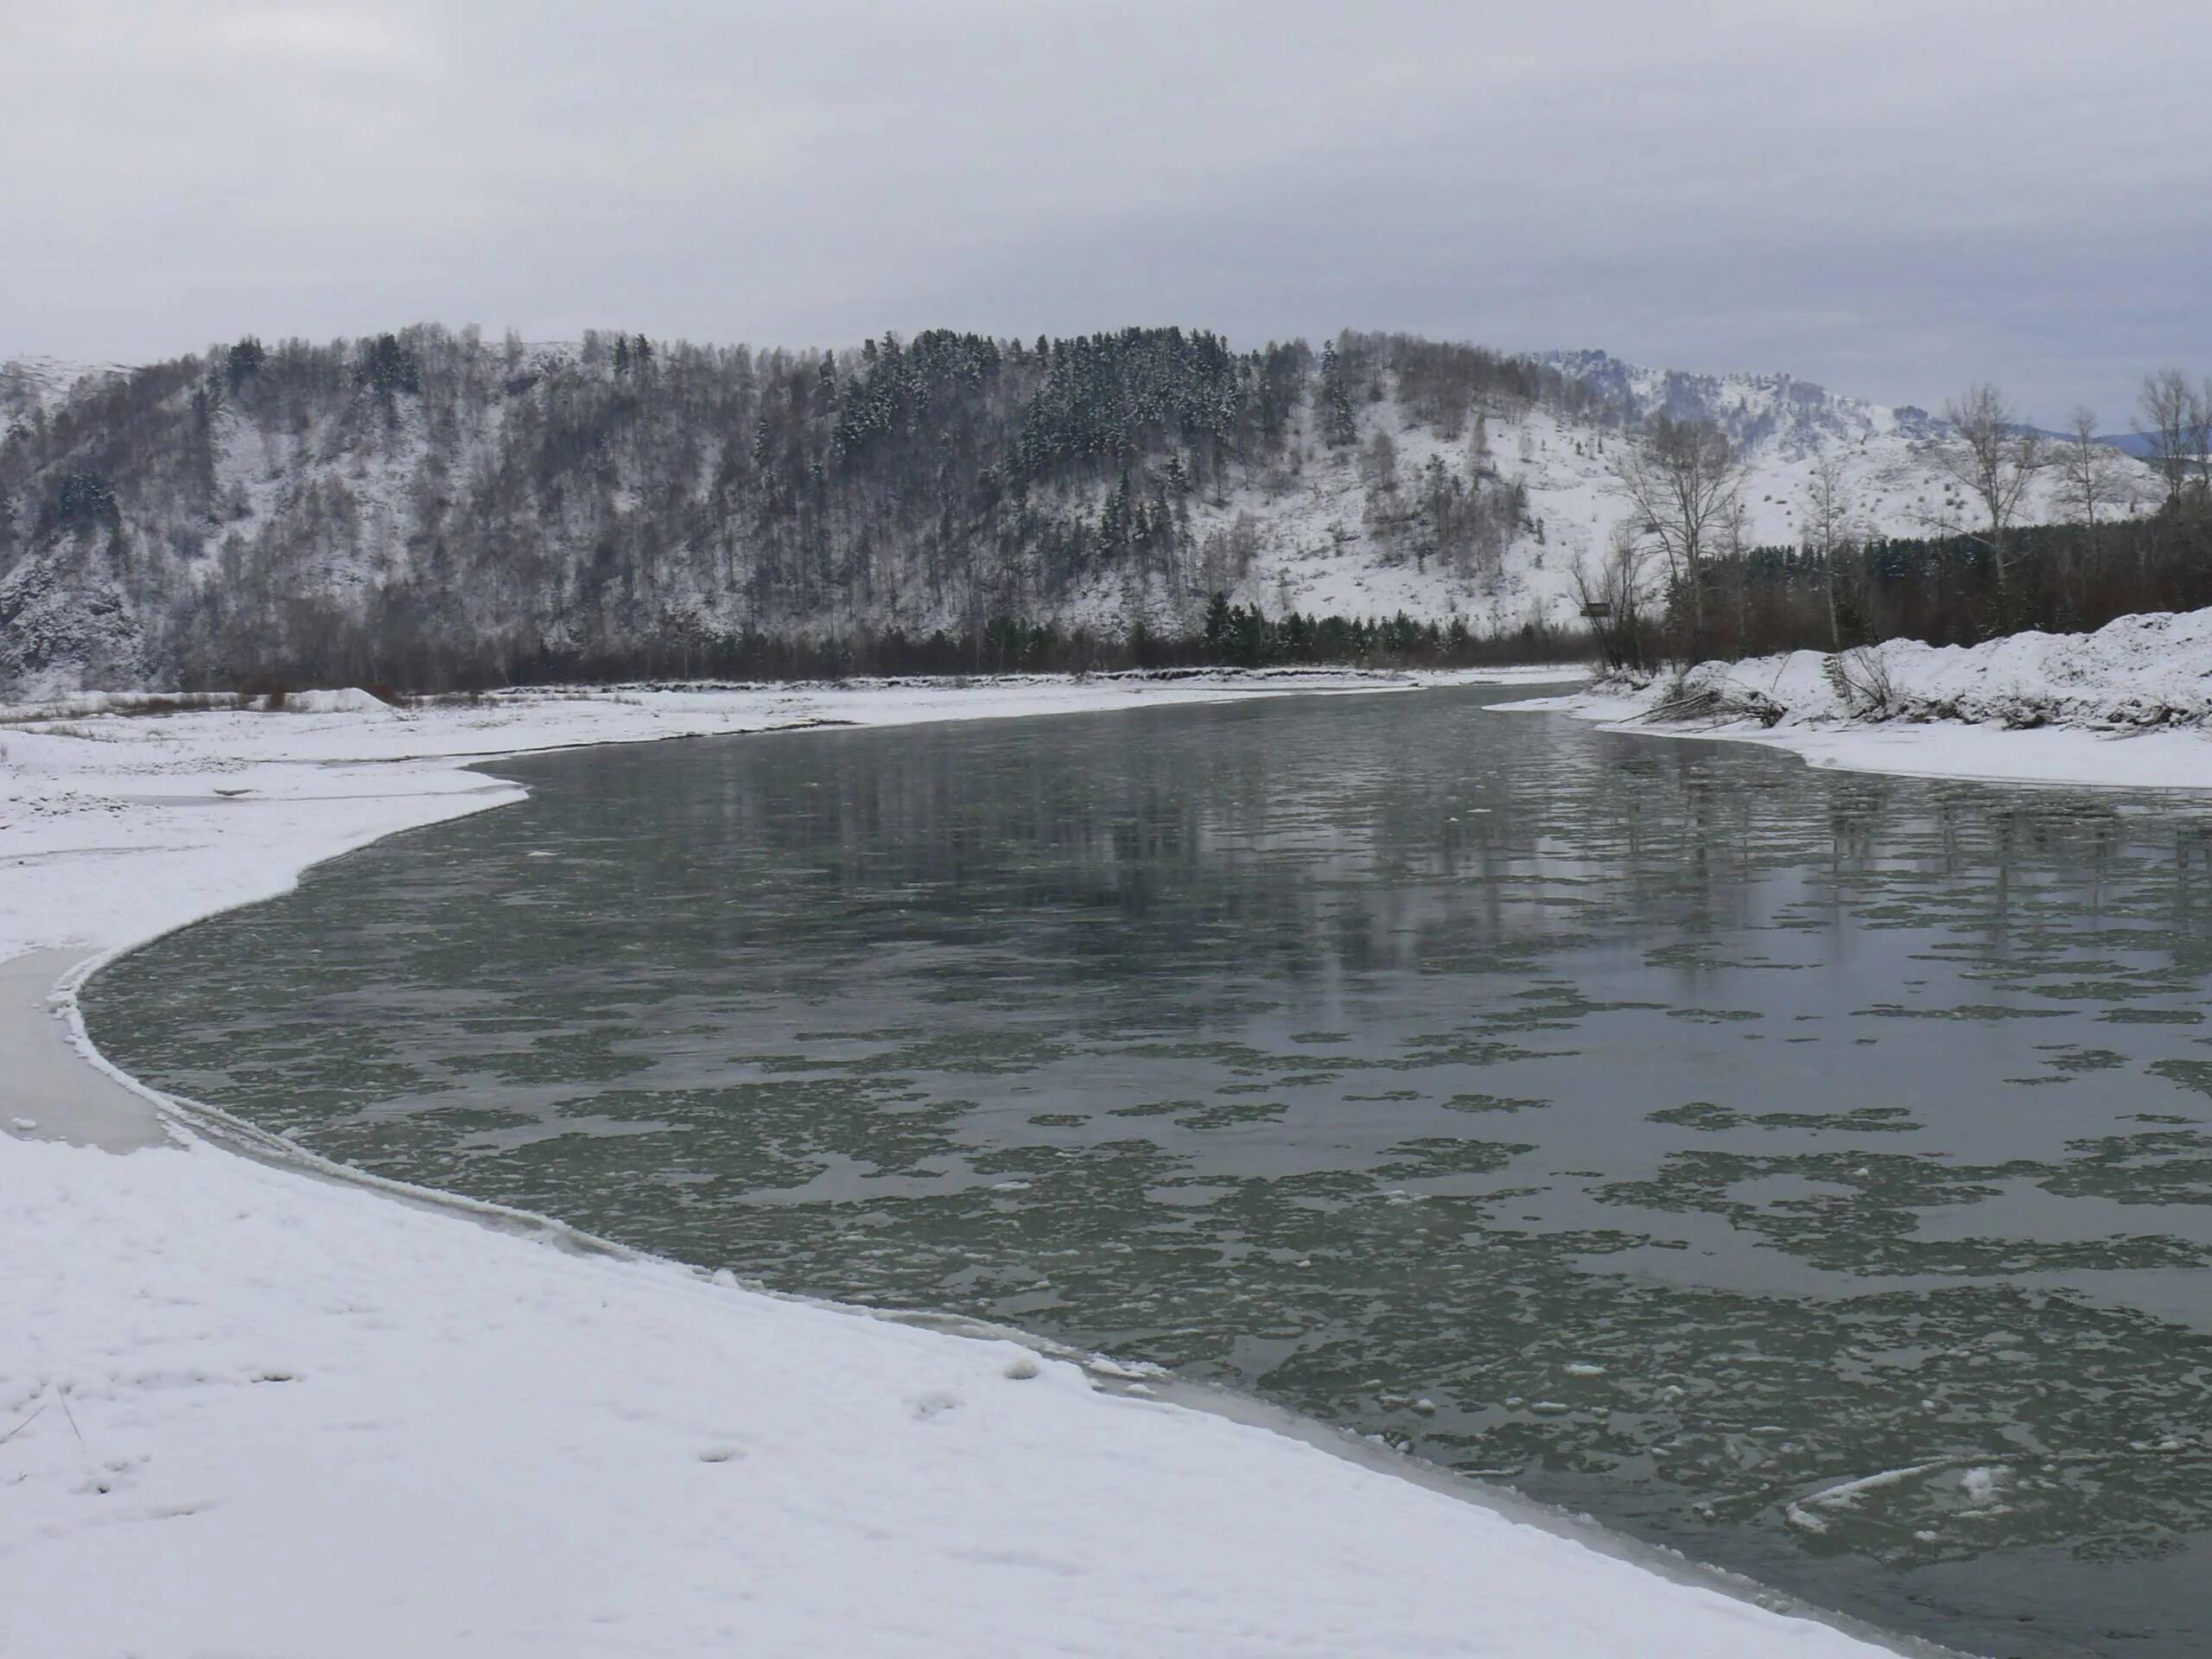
1550 1583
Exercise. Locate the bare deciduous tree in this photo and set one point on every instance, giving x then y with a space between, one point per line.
1388 514
1828 534
2170 415
1683 482
1735 547
2092 477
1995 457
1612 596
1378 462
2200 438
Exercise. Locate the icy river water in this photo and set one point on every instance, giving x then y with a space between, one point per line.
1808 1171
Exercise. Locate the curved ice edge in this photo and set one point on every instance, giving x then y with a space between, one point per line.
1829 745
190 1121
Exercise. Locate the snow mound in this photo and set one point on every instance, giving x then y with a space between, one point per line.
2128 707
352 700
2138 673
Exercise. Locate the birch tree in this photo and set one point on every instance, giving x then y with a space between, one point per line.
1827 534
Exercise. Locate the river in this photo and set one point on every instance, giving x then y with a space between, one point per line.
1805 1170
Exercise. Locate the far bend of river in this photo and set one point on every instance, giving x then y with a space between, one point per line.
1669 1130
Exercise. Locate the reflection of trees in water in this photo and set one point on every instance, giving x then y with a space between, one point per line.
1367 834
1296 838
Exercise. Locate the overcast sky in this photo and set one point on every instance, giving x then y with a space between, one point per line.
1891 199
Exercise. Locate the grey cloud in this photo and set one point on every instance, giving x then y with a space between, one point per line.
1892 199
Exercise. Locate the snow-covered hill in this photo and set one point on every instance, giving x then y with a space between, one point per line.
187 518
1320 550
1785 427
30 385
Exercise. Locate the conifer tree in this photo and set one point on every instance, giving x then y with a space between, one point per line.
1218 623
1338 426
243 361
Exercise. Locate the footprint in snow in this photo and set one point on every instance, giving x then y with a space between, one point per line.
934 1404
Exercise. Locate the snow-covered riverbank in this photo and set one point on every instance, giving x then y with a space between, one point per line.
2129 706
244 1408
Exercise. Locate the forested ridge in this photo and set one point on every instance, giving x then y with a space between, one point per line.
430 510
428 507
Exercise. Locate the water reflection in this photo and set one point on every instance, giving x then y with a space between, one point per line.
1810 1170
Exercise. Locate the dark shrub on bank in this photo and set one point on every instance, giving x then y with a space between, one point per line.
330 649
1941 590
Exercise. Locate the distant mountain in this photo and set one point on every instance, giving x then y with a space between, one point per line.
1786 427
2128 443
395 507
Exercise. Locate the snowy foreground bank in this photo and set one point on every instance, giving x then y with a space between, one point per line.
2129 706
244 1408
